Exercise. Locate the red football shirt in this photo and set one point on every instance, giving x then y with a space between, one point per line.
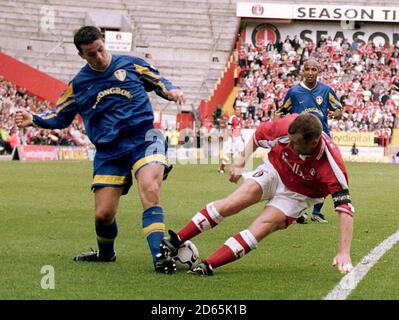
316 175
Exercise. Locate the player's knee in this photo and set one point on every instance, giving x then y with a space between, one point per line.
250 192
105 215
252 187
150 192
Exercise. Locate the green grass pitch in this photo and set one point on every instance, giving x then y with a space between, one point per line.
47 217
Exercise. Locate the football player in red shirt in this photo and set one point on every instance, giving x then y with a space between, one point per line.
303 166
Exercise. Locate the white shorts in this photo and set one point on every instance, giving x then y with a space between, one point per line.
291 203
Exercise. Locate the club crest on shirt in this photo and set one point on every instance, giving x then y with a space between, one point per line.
312 172
319 99
120 74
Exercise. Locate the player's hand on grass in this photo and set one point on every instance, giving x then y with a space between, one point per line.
176 95
23 118
343 263
236 170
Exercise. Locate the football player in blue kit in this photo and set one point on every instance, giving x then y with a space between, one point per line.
110 94
317 98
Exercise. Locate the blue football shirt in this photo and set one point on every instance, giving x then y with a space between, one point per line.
110 102
319 101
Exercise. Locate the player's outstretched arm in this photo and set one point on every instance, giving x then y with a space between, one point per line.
343 260
176 95
23 118
237 168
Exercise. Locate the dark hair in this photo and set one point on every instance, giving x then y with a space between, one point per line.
86 35
307 125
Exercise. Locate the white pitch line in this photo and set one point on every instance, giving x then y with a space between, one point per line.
349 282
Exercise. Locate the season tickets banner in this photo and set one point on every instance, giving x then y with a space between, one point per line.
317 12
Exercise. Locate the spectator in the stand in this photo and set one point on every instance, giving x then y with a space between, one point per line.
217 116
13 140
295 43
322 41
2 143
279 46
314 97
12 98
242 105
4 134
251 110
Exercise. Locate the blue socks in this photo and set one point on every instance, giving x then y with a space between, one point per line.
106 235
154 228
317 208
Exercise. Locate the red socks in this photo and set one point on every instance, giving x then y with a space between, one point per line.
233 249
204 220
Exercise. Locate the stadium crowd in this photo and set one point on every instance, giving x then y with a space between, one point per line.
13 98
364 76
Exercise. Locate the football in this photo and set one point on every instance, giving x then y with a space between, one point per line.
186 256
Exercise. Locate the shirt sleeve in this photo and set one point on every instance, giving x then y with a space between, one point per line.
61 116
287 104
333 101
267 133
152 79
336 176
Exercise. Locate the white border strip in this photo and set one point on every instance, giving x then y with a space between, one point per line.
351 280
316 12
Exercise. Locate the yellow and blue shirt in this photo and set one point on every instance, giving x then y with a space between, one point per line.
319 101
110 102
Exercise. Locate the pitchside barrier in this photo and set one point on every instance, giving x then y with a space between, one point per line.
48 153
183 155
368 151
209 153
180 154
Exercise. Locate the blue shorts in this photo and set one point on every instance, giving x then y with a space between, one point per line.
139 149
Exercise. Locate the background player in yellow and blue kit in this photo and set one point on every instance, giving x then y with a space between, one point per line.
110 94
317 98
